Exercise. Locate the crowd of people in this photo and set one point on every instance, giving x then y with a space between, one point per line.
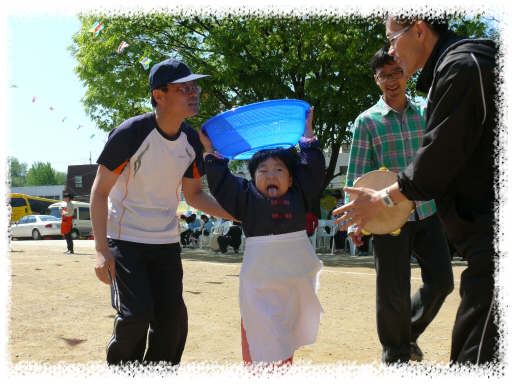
137 230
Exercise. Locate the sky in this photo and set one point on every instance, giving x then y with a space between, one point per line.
41 66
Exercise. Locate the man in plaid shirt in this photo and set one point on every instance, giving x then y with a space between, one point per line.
388 135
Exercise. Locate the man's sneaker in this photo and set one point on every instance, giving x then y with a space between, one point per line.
416 354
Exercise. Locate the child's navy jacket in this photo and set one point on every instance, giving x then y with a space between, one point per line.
261 216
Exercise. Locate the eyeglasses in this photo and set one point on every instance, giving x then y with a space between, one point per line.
392 37
394 75
188 88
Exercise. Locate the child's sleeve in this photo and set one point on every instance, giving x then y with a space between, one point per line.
310 171
231 192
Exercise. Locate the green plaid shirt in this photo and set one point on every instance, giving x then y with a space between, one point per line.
384 138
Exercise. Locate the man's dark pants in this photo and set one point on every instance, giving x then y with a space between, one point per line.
232 238
400 318
475 333
147 293
69 241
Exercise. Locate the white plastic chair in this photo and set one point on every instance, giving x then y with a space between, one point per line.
312 239
326 237
242 245
215 227
318 233
202 238
351 245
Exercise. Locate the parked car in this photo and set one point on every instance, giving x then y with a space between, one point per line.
36 227
81 218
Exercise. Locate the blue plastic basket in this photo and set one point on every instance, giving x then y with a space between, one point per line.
239 133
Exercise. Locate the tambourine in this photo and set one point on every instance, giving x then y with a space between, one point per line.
390 220
214 244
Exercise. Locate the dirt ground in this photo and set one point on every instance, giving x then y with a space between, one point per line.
60 311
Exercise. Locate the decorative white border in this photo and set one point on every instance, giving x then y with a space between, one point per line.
28 371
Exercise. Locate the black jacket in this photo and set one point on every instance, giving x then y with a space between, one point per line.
455 166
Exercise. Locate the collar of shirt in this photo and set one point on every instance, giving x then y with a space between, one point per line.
426 76
386 109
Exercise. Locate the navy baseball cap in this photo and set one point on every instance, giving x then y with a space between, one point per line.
171 71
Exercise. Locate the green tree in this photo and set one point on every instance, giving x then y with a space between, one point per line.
42 174
17 172
324 60
62 178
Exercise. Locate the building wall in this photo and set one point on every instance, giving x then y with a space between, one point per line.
47 191
80 181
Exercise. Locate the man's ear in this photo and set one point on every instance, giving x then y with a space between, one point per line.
421 30
156 94
290 181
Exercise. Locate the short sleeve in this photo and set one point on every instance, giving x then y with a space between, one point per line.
196 169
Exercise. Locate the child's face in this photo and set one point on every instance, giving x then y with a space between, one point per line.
272 178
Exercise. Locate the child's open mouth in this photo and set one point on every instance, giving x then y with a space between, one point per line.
272 191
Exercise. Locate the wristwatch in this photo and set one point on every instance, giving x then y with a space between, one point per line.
386 199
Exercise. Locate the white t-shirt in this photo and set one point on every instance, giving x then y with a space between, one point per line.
142 204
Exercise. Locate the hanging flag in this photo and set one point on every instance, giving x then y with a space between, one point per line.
80 126
96 28
205 96
52 109
64 119
123 45
34 99
92 136
104 141
14 86
145 62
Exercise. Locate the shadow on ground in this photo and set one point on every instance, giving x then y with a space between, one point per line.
343 259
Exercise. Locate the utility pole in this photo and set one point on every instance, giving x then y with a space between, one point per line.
90 157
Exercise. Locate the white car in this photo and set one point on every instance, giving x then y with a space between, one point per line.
36 227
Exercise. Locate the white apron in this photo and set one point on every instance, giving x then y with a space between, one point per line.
280 311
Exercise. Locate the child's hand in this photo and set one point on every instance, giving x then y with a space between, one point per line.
207 143
308 129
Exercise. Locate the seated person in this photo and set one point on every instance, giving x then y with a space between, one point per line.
185 235
232 237
206 225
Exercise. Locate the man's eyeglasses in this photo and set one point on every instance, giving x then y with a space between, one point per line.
188 88
394 75
392 37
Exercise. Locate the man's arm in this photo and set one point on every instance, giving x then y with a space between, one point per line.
197 198
103 183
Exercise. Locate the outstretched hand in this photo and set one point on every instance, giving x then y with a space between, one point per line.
207 143
365 207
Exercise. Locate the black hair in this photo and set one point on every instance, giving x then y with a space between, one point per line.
287 156
203 216
438 24
162 87
183 217
381 58
190 220
70 195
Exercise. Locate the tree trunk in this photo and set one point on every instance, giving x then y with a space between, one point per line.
329 175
